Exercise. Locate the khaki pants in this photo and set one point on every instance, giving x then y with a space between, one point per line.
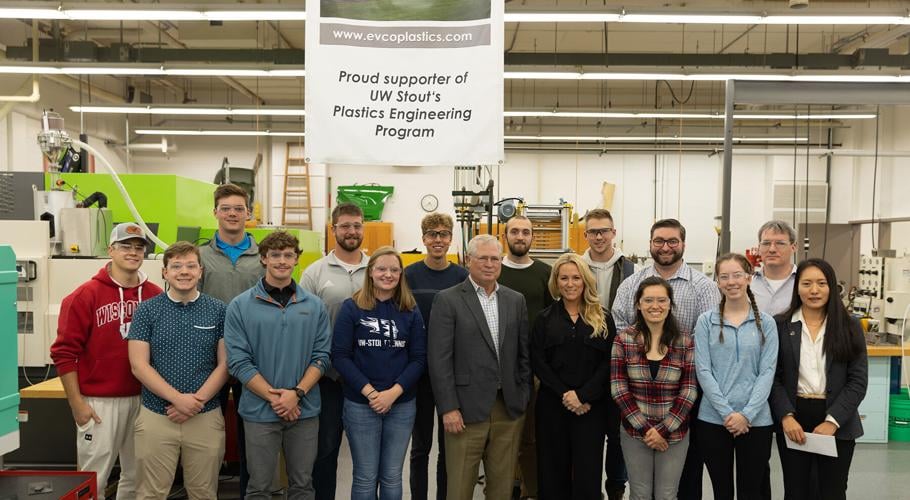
99 445
496 442
160 443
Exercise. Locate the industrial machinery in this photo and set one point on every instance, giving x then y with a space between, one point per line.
883 294
473 193
551 227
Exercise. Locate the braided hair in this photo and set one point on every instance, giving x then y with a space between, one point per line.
747 268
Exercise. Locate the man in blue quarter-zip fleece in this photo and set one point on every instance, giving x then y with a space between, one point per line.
278 339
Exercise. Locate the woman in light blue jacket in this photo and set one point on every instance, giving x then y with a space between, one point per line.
735 360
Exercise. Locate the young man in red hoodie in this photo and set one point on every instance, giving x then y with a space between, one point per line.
92 358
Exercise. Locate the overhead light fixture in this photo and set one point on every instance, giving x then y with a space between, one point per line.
686 115
147 70
667 139
190 110
705 77
269 71
290 111
700 18
231 133
136 12
275 12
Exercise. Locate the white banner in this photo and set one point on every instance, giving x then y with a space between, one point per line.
404 82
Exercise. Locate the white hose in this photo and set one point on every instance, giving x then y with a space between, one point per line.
126 196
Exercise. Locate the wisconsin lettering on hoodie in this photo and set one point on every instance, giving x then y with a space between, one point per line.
91 334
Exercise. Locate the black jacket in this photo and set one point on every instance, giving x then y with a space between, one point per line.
845 381
564 362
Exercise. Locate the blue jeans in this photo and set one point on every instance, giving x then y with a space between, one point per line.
378 445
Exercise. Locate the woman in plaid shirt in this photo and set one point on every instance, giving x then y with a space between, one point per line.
653 382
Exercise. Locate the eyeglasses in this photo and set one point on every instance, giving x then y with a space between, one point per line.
437 234
239 209
594 233
282 255
735 276
174 266
660 242
127 247
395 271
650 301
349 226
487 259
777 244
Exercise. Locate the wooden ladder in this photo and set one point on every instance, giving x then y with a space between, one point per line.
297 210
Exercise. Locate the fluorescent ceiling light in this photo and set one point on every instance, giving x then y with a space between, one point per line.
561 17
560 138
147 70
297 72
31 13
252 133
255 15
189 110
686 116
699 18
133 15
108 12
710 77
274 12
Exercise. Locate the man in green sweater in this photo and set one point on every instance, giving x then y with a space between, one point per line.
528 277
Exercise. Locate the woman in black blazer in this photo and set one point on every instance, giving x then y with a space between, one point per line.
821 378
570 354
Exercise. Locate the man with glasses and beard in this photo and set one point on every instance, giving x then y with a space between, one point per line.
693 294
334 278
529 277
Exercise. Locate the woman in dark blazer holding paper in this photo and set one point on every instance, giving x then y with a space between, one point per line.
822 373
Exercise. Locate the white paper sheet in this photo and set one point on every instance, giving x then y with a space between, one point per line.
816 443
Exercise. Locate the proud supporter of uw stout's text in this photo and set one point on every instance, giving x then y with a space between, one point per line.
404 100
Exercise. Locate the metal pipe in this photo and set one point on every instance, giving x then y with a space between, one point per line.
727 175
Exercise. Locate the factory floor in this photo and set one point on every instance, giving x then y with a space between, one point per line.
880 472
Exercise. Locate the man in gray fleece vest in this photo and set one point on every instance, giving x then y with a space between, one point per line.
230 265
334 278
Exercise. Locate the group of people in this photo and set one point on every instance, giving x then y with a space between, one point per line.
525 367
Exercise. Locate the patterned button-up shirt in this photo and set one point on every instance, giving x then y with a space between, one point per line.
693 294
490 305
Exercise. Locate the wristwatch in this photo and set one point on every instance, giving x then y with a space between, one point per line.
300 392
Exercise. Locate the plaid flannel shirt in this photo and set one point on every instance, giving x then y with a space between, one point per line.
663 402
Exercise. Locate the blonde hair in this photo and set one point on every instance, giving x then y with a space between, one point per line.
365 298
591 309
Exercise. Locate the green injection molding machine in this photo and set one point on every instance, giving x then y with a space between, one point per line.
9 383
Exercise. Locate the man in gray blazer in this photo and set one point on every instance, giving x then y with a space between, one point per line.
480 372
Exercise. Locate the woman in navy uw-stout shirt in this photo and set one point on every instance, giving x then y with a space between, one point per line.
380 349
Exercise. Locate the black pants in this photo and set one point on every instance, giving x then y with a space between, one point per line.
329 443
236 388
422 443
693 471
831 479
569 449
752 451
614 464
